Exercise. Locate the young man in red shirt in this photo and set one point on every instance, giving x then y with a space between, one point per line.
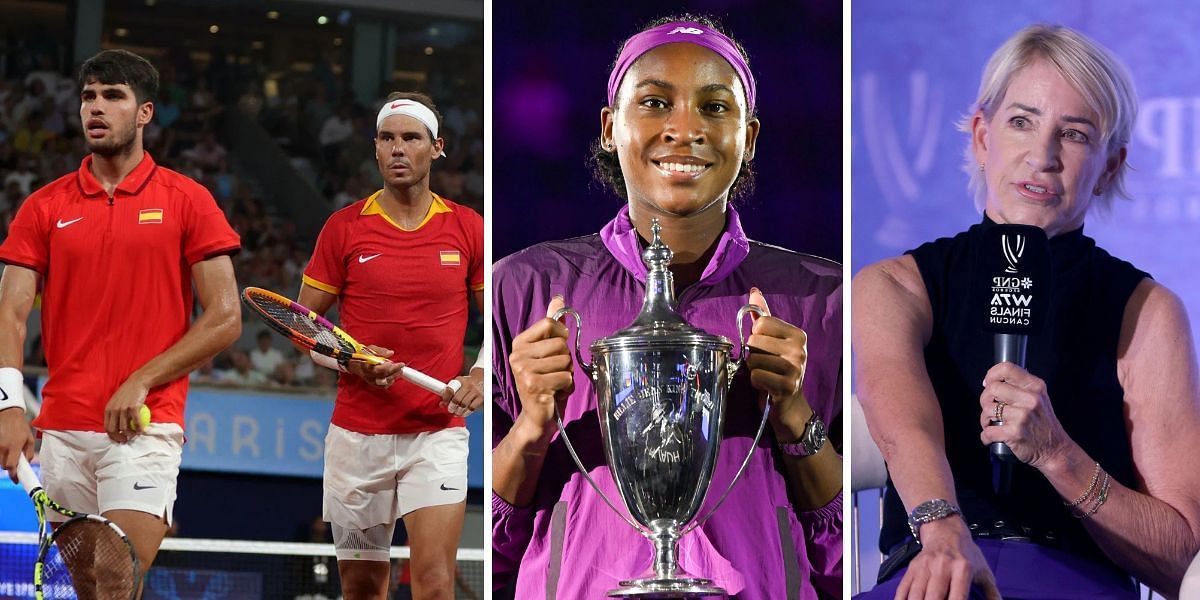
403 263
117 247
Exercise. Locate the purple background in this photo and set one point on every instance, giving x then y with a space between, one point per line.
550 67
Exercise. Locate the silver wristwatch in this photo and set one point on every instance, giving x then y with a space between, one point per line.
929 511
810 442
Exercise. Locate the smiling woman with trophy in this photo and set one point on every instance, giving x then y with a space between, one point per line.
643 452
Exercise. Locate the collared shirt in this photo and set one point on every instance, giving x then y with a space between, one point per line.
117 282
568 543
406 290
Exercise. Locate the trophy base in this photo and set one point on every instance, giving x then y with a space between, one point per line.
654 587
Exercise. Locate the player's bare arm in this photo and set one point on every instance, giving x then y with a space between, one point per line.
216 329
18 287
541 365
777 368
469 396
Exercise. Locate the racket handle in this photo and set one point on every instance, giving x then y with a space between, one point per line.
424 381
29 479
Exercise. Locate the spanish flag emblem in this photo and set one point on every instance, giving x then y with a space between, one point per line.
450 258
150 215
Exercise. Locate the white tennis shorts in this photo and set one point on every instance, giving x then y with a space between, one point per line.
375 479
88 472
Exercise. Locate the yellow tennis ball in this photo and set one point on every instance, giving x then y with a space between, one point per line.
143 418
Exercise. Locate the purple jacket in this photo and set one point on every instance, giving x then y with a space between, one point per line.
568 543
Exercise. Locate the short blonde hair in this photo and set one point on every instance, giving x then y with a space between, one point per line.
1091 69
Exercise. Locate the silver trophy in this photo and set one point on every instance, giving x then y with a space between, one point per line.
660 386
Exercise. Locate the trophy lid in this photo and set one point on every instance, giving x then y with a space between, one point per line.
659 324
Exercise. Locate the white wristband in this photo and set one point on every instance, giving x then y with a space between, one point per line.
483 357
12 389
326 361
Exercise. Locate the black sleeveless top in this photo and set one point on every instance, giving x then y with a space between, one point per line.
1076 355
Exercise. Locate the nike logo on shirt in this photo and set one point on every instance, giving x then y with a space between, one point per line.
62 223
447 489
139 487
364 258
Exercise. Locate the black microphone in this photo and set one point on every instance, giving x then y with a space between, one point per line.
1010 285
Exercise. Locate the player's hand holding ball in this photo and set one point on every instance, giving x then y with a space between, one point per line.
143 420
123 414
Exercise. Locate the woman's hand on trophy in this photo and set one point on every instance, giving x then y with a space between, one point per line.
777 363
542 368
1020 400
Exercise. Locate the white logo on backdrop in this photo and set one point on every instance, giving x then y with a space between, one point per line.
900 161
1165 181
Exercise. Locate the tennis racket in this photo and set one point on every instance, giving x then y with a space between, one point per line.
312 331
88 556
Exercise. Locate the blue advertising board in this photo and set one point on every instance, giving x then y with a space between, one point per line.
241 431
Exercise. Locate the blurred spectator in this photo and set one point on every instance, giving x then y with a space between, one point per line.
336 129
264 358
32 136
207 154
251 101
204 105
350 193
241 373
206 374
24 175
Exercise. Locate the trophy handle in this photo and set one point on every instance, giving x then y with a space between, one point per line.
562 430
559 314
762 425
743 347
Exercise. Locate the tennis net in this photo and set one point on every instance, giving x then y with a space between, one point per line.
238 570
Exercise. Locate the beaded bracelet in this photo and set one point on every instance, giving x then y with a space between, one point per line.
1091 486
1100 500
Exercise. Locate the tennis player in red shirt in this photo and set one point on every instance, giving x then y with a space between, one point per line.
403 264
117 247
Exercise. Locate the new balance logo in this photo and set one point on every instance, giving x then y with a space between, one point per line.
62 223
139 487
447 489
364 258
687 30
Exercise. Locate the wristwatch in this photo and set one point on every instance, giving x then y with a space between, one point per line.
810 441
929 511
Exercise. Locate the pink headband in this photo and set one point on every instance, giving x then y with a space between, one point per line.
681 32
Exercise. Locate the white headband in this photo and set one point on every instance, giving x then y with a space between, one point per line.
410 108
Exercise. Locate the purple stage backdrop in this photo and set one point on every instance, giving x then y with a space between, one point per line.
915 71
550 67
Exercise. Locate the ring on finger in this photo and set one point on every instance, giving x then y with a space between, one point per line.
998 412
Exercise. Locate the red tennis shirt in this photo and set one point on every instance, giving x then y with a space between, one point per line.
116 282
403 290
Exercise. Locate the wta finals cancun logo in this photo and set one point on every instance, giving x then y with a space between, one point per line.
1012 252
1010 293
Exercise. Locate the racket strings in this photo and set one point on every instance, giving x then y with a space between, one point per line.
302 324
92 561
